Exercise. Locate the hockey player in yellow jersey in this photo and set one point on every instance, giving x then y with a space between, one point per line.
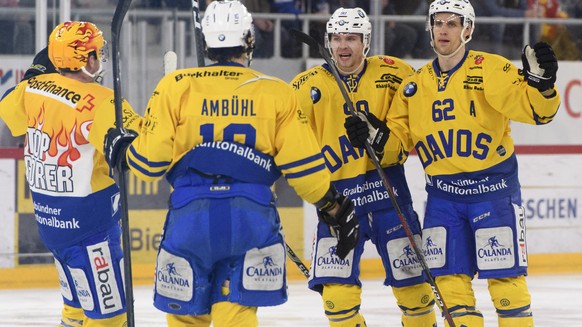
222 135
371 83
455 112
64 118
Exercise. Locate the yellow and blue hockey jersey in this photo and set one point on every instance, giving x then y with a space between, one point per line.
64 122
232 121
372 90
459 124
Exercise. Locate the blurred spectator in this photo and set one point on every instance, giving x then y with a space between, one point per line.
504 8
16 35
264 28
558 36
405 40
264 36
574 10
290 48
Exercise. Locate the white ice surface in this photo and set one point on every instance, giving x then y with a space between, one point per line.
556 301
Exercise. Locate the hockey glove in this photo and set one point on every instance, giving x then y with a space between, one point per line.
539 66
344 226
365 126
116 142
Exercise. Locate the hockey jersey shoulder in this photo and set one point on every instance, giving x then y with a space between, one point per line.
308 77
389 62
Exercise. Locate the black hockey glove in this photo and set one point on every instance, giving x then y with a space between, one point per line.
344 226
365 126
539 66
116 142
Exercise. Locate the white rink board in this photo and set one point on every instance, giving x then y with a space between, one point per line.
7 202
551 193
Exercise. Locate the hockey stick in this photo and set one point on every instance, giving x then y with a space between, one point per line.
327 57
170 62
291 254
198 36
118 16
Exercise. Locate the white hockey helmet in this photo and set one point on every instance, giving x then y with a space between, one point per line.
228 24
350 20
463 8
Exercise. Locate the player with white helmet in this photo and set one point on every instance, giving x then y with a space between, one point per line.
455 112
371 83
222 135
458 10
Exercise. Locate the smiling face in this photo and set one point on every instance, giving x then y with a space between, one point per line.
348 51
448 33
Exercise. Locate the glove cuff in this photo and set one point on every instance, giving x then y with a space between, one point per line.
330 199
549 93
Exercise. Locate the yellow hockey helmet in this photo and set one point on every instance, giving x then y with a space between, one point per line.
70 44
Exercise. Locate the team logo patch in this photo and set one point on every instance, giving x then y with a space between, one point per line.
479 59
315 94
410 89
389 61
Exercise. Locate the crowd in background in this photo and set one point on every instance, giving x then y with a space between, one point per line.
405 40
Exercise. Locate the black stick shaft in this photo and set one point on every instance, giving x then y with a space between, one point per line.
198 36
118 17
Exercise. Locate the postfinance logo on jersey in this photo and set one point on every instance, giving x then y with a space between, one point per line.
52 90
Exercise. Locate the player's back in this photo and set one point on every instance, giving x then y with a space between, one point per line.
59 112
66 175
229 103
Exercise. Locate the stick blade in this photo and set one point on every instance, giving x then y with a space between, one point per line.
304 38
170 62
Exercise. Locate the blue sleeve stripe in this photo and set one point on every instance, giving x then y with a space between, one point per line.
301 162
135 166
145 162
306 172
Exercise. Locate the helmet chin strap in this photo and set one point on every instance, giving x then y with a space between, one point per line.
462 45
364 52
449 55
98 75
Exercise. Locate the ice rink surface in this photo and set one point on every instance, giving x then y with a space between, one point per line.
556 301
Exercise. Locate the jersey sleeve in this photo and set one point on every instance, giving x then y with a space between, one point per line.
509 93
105 119
399 141
13 111
298 153
150 154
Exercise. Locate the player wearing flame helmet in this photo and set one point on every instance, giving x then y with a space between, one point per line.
64 117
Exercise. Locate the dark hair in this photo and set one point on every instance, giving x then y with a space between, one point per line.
222 55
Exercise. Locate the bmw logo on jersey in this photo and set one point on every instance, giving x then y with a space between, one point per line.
410 89
315 94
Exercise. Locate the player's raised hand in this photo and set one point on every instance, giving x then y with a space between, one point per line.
540 66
